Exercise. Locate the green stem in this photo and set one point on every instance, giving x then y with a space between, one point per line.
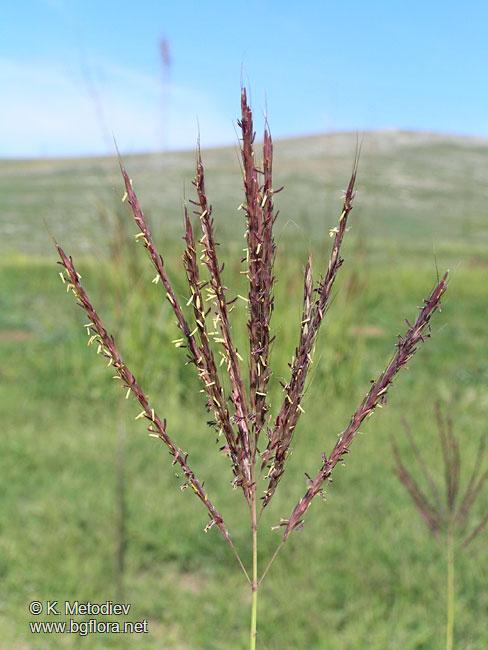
121 498
254 582
450 591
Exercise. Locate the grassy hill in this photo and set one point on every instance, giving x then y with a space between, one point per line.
364 572
414 188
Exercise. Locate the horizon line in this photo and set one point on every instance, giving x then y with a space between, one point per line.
456 135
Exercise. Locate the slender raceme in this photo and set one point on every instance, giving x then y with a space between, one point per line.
406 348
107 348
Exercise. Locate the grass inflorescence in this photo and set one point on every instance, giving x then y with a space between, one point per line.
256 442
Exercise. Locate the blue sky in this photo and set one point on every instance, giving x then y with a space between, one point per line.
73 71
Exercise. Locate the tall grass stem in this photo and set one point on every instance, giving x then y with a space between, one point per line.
450 591
254 583
121 505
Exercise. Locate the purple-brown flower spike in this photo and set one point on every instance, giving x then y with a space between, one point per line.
99 336
281 435
451 511
260 254
406 348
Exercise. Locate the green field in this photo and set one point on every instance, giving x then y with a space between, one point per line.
364 572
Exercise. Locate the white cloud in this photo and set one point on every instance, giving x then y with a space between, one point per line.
47 109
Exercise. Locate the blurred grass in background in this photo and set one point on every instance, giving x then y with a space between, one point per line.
363 573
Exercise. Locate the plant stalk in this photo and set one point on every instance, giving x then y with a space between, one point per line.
254 582
450 590
121 498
